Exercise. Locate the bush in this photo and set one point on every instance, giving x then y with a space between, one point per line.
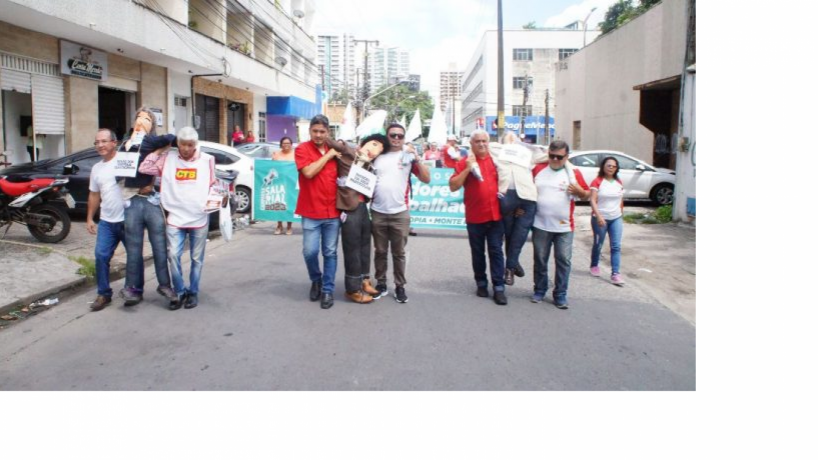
664 214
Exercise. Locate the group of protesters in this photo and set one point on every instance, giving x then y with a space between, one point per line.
131 206
510 190
507 194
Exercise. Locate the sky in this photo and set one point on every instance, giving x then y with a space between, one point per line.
439 32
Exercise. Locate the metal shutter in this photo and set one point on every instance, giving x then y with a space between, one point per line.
15 81
49 104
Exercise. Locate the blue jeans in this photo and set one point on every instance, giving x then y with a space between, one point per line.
176 245
140 216
614 229
109 234
487 234
321 234
516 228
563 246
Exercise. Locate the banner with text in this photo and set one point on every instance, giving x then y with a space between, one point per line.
433 205
275 190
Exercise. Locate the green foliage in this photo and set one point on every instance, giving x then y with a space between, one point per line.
87 267
661 215
400 101
664 214
623 11
530 26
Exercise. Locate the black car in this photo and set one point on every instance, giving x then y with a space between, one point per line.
77 167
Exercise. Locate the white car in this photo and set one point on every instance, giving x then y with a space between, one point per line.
640 179
230 159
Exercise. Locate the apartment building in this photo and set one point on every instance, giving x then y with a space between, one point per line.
212 64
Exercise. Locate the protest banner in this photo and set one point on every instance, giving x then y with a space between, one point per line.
275 190
433 205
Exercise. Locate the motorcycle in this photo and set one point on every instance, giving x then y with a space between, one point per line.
39 202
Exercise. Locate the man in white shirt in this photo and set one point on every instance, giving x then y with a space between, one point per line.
187 176
104 191
390 208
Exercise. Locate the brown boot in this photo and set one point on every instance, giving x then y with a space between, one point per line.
359 297
100 303
366 286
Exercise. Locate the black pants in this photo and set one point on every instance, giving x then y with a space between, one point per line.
356 235
488 235
30 152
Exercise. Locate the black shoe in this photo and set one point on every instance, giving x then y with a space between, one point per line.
400 295
519 272
178 303
131 297
482 291
191 301
315 291
412 232
382 290
326 300
500 298
509 278
561 304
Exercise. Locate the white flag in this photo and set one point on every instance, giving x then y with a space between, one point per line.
347 132
414 130
372 124
437 131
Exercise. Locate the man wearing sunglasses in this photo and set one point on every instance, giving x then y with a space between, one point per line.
558 186
390 208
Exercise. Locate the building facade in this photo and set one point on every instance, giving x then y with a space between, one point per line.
529 58
388 64
211 64
337 59
450 85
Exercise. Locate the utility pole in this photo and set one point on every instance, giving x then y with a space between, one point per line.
501 100
547 118
366 88
526 91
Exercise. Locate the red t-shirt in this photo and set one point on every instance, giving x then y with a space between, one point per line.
448 162
480 197
316 197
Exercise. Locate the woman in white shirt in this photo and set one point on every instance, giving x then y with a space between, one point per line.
607 202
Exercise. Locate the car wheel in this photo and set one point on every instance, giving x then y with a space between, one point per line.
662 194
244 197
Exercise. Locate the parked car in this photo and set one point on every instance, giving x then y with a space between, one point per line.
228 158
77 167
640 179
259 149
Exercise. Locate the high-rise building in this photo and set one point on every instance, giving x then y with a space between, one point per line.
336 60
387 64
450 81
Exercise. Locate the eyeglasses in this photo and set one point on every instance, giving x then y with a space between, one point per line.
397 136
101 142
556 157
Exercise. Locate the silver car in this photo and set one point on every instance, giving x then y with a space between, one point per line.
640 179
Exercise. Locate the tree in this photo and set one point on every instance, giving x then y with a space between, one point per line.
400 101
530 26
611 22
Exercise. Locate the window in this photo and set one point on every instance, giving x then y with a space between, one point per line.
590 160
626 163
523 54
222 158
521 110
565 52
519 82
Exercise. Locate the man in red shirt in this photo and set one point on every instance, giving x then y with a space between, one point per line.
484 223
320 219
445 153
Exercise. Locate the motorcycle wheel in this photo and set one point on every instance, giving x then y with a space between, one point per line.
51 233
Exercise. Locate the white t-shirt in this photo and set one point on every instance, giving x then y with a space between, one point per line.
392 189
185 188
103 181
555 208
609 197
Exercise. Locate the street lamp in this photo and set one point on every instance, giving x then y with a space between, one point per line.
585 25
363 107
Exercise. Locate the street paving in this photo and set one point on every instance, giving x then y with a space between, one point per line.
255 329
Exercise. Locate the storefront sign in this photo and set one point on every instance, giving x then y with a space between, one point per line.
83 61
534 126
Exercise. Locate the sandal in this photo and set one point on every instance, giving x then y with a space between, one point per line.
278 231
289 231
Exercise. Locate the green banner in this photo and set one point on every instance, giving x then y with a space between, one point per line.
275 190
433 205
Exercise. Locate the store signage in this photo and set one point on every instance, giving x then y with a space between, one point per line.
83 61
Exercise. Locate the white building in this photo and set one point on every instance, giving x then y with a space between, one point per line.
450 86
338 55
633 90
387 63
529 58
68 68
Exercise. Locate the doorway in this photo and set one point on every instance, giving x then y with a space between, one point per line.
114 109
235 117
16 120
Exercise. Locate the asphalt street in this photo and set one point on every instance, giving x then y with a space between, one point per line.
255 329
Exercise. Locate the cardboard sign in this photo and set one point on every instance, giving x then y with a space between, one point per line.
125 164
516 154
361 180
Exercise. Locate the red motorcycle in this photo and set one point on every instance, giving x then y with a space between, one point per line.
40 203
